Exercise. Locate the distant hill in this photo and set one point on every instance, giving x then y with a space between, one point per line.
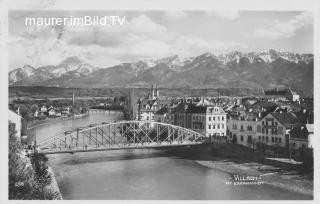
233 70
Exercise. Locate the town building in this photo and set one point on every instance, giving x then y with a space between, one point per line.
299 137
51 112
17 120
311 137
281 95
162 115
147 107
242 128
274 129
43 109
207 120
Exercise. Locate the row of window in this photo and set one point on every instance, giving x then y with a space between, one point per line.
272 123
216 134
216 126
218 118
199 118
249 127
273 139
263 138
273 131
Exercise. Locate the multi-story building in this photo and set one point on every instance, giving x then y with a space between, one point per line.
149 106
242 129
274 129
216 121
162 115
207 120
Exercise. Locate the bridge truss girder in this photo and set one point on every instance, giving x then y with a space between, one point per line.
121 135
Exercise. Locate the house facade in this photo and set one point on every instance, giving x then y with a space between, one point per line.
242 129
207 120
16 119
274 129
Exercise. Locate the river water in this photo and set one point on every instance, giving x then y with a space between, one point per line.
141 174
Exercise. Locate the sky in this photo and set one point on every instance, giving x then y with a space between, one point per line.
156 34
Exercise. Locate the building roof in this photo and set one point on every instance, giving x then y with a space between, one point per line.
11 112
275 92
162 111
299 132
196 109
204 102
286 119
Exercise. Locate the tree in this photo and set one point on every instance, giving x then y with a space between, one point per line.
26 182
41 174
20 184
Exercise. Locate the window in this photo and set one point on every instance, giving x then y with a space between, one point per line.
267 139
262 130
259 137
262 122
218 126
209 118
214 118
214 126
222 118
276 124
272 139
267 131
222 126
209 126
241 138
262 138
241 127
276 139
259 128
218 118
279 140
280 130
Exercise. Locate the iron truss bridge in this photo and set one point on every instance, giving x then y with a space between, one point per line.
120 135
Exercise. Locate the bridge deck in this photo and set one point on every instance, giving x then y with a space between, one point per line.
118 148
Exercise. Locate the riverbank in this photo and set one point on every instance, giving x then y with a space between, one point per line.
270 175
32 125
53 187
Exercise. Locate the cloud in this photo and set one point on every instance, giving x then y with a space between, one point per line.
30 4
278 29
175 14
105 46
224 14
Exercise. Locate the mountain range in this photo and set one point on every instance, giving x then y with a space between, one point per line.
267 69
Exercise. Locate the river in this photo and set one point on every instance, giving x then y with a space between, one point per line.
141 174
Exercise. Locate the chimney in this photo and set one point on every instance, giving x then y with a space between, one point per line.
152 92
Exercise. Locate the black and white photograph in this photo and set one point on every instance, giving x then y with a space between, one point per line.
182 103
